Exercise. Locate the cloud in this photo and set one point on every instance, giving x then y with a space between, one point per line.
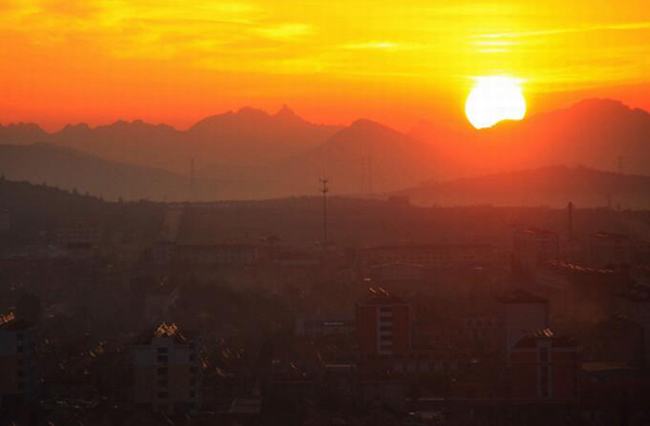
629 26
285 31
373 45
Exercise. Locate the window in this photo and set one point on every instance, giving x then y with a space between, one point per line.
163 395
163 383
162 371
162 358
163 350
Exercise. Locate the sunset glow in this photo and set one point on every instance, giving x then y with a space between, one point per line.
101 60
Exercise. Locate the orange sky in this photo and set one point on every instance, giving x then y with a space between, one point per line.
177 61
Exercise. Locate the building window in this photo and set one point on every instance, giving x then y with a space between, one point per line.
163 350
162 358
162 371
163 395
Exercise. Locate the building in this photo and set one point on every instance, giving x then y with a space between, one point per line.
5 221
323 327
80 240
635 305
217 254
18 382
434 256
166 373
533 247
523 313
543 366
384 325
607 249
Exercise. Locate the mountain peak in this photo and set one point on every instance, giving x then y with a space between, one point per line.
286 113
251 112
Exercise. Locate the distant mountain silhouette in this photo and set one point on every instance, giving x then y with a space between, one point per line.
73 170
547 186
597 133
250 153
242 138
252 136
22 133
362 158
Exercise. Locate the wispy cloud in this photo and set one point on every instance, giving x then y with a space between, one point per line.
629 26
373 45
285 31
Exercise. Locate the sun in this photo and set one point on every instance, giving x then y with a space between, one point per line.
493 99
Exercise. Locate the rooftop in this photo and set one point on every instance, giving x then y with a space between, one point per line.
9 322
530 341
379 296
610 236
162 330
521 296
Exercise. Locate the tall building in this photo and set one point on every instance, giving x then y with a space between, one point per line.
523 313
533 247
607 249
18 382
543 366
166 373
5 221
384 324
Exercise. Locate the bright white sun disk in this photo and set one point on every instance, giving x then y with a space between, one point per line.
494 99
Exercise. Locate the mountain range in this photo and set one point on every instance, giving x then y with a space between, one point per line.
250 153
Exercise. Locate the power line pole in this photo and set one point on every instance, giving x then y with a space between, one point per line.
324 190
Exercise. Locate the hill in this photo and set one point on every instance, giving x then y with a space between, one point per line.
241 138
598 133
73 170
548 186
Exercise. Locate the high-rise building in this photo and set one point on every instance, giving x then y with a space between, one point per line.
384 324
166 370
543 366
5 221
523 313
532 247
18 382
